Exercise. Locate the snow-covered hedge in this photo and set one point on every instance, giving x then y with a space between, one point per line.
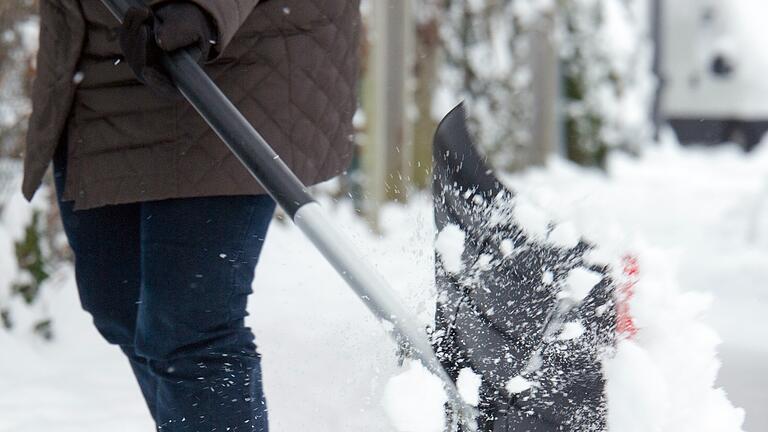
18 46
28 233
30 252
605 52
609 84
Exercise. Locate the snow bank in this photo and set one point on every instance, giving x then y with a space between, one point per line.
664 378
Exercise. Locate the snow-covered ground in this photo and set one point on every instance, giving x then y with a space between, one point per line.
327 362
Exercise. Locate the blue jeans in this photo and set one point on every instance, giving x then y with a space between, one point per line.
168 282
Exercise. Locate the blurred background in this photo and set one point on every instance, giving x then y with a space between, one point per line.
579 82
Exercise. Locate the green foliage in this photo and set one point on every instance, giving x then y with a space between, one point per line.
34 262
29 255
35 252
44 329
5 318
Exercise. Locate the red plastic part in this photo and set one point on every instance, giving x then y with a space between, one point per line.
625 325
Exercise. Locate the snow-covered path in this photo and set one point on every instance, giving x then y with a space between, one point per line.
326 361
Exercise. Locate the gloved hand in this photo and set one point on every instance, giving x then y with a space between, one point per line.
145 35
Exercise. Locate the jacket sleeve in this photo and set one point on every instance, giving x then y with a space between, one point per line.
228 16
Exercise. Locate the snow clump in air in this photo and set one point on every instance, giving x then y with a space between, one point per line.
571 330
564 235
518 384
450 245
415 400
579 283
507 247
531 219
468 384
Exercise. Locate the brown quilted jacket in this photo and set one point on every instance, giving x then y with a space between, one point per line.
290 66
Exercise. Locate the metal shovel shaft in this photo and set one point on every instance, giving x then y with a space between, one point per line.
288 191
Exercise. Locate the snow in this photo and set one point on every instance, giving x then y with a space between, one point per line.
571 330
468 383
506 247
547 278
450 245
695 220
679 351
415 400
635 395
484 262
518 384
564 235
579 283
531 218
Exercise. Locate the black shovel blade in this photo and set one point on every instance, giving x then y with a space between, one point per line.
496 314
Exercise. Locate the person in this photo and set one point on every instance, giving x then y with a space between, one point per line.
165 224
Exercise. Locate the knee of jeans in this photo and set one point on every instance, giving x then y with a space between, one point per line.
167 343
113 311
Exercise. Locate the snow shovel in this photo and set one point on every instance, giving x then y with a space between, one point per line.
288 191
504 315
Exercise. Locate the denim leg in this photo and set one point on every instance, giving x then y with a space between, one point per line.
106 246
198 260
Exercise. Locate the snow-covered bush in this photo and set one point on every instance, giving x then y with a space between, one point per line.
28 234
18 47
605 52
484 45
30 252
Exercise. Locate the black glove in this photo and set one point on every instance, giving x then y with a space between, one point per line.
145 36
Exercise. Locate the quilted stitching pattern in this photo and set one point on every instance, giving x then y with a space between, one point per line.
290 68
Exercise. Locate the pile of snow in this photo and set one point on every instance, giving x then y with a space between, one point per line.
686 216
663 379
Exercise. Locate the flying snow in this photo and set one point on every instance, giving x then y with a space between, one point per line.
531 219
564 235
571 330
450 245
518 384
468 384
579 283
